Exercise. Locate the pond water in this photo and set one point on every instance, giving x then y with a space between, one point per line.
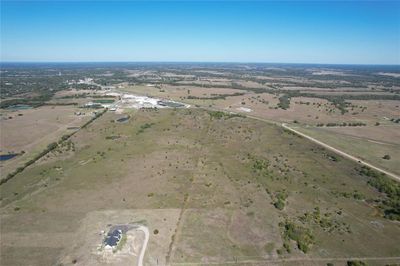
123 119
19 107
5 157
170 104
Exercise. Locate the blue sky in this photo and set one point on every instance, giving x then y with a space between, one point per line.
253 31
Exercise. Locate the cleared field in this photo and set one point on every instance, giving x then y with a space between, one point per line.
180 92
312 110
369 144
32 130
218 189
90 239
265 105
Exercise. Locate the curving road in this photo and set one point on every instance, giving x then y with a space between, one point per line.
145 230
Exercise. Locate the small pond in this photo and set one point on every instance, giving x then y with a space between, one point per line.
19 107
5 157
170 104
123 119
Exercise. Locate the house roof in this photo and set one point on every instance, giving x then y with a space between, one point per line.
113 237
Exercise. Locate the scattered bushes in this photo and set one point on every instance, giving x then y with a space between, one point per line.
324 220
279 204
344 124
395 120
113 137
94 118
355 263
280 198
333 158
391 204
260 166
222 115
303 236
215 96
50 147
143 127
284 102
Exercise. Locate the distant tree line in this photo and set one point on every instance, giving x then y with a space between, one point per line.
216 96
344 124
339 101
33 101
223 115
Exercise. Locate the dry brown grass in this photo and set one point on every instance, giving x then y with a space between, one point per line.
192 168
34 130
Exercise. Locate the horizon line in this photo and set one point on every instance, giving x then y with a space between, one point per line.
195 62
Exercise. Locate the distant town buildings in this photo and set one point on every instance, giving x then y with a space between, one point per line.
80 81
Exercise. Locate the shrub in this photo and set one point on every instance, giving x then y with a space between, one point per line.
51 146
287 247
279 204
222 115
390 205
143 127
303 236
386 157
356 263
281 196
284 102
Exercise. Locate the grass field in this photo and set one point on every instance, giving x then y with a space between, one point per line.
370 142
365 146
30 131
218 188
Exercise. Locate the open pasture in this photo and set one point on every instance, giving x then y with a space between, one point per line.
218 187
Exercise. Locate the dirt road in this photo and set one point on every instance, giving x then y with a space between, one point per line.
337 151
300 261
145 230
342 153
